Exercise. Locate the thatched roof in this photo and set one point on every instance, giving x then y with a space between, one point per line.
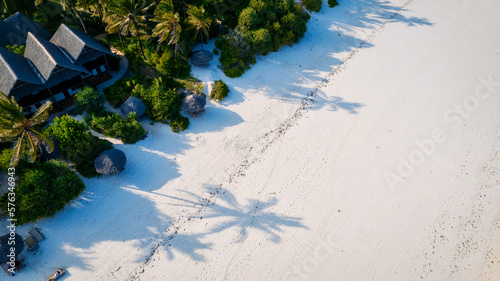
55 154
14 30
201 58
133 104
194 104
77 43
110 162
5 247
15 70
48 58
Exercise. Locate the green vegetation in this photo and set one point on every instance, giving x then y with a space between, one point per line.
179 123
313 5
43 189
18 49
121 90
332 3
78 145
26 132
89 100
162 103
262 27
129 130
219 91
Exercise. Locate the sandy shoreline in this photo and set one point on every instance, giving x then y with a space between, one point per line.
276 184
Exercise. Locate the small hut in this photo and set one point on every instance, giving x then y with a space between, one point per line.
194 104
201 58
110 162
5 249
55 154
133 104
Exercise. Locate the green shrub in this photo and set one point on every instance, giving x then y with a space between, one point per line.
313 5
219 91
236 55
216 52
129 130
168 64
5 157
332 3
179 123
161 103
78 145
121 90
44 188
18 49
248 18
89 100
264 26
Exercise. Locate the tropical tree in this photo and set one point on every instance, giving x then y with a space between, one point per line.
198 21
13 124
168 26
125 17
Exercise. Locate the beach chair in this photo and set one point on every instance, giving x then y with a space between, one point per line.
31 242
35 233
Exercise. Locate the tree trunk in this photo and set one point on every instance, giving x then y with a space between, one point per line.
78 16
139 38
121 40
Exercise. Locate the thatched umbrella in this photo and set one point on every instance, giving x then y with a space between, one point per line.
201 58
5 247
194 104
55 154
110 162
133 104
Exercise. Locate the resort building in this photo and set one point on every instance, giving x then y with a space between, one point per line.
53 67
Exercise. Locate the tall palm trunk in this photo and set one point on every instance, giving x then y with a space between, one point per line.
77 14
139 38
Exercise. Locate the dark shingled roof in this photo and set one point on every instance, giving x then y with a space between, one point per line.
194 104
16 27
46 56
201 58
110 162
15 70
133 104
76 42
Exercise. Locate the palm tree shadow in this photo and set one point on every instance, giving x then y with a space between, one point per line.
253 214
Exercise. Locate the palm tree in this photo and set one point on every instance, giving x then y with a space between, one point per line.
168 27
125 17
13 124
198 21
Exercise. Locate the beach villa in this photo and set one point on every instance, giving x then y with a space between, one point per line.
53 67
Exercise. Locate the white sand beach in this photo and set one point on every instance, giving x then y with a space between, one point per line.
368 151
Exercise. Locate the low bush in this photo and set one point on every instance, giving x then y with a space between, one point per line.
219 91
121 90
78 145
90 101
44 189
168 64
179 123
313 5
161 102
332 3
129 130
5 157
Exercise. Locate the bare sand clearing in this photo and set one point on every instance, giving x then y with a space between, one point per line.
369 151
